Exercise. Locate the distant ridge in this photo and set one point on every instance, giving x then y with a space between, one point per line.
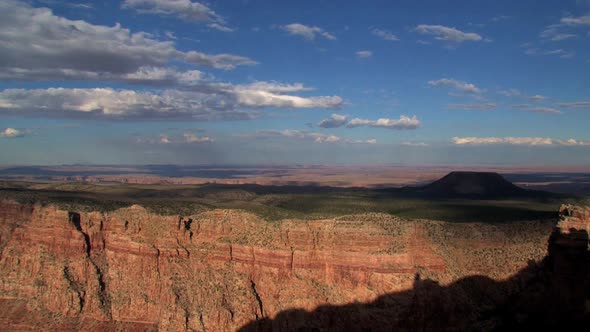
474 184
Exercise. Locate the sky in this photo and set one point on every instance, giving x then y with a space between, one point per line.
298 82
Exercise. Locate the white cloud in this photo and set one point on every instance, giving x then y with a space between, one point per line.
220 27
213 102
500 18
420 144
459 85
320 138
404 122
553 33
187 138
560 52
447 34
164 139
576 104
192 138
528 140
522 106
477 140
537 98
11 133
257 94
554 52
364 54
146 75
299 134
544 110
187 10
170 35
306 135
35 44
472 107
568 55
256 98
562 36
307 32
532 141
573 142
67 4
367 141
502 140
335 121
384 34
580 20
510 93
277 87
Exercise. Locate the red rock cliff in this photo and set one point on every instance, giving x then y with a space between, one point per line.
222 269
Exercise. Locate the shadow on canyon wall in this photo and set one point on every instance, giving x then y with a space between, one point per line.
550 294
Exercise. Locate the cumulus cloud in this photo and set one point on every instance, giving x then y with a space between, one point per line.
404 122
532 141
307 32
472 107
364 54
384 34
11 133
477 140
576 104
256 98
35 44
214 102
458 85
447 34
537 98
186 10
192 138
335 121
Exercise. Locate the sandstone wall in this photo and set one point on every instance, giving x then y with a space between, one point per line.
222 269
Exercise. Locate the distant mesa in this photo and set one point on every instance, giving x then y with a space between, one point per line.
474 184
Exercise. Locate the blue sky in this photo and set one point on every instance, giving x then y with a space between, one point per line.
241 82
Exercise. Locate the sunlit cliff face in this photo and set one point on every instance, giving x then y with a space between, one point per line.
224 269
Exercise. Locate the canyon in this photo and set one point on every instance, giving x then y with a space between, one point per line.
227 269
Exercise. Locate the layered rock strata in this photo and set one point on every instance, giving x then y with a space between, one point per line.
225 269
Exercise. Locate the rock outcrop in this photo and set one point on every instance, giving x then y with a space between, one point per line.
473 184
222 270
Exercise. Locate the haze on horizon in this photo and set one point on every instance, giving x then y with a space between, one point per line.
242 82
